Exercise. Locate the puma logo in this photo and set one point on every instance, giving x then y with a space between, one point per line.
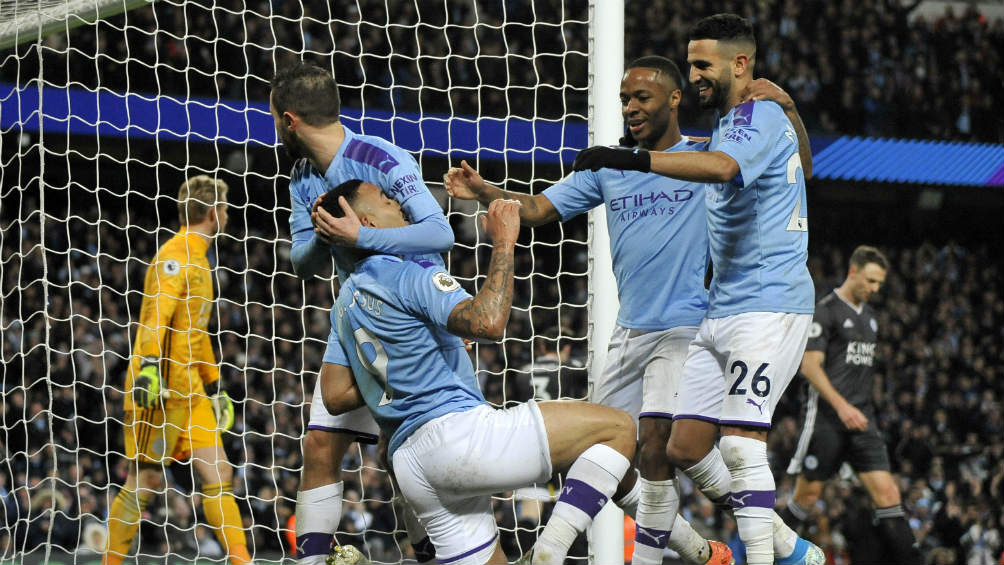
758 406
739 502
657 539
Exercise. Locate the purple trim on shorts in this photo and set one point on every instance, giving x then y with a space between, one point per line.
583 496
756 498
361 437
744 423
470 552
424 550
666 415
313 543
695 417
652 537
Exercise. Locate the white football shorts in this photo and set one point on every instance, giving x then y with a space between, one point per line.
738 367
359 421
449 468
642 372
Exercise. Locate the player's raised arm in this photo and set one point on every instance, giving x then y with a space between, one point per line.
485 316
694 166
464 183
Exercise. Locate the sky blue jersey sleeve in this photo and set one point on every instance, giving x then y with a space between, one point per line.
577 193
430 292
335 352
429 231
751 138
301 229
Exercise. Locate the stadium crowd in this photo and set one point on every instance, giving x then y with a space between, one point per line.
868 67
937 392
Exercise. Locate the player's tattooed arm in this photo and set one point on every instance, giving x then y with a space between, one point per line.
464 183
485 316
763 89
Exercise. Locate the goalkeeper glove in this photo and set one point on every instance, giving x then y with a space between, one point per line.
223 409
599 157
146 385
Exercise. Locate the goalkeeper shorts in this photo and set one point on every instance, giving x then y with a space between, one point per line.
153 434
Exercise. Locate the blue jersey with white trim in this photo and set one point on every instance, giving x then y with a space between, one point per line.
391 316
658 240
757 222
394 170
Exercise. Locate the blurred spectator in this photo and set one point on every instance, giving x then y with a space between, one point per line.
872 67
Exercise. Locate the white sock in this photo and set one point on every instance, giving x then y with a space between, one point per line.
318 512
784 538
657 507
712 477
590 483
425 552
752 495
685 540
629 502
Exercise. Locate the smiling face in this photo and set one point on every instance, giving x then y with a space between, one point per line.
710 72
648 102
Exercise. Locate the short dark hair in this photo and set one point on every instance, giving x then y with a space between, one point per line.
723 27
309 92
661 64
865 254
349 189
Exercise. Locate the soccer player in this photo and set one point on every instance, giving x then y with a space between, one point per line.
305 106
659 244
838 364
173 407
760 308
398 323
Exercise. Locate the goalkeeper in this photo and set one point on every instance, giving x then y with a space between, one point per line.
173 407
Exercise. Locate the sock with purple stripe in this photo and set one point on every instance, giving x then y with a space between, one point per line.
752 495
590 482
657 509
318 511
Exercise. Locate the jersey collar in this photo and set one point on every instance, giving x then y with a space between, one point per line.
197 242
857 309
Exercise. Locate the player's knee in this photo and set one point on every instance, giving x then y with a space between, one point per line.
653 435
887 495
624 433
681 453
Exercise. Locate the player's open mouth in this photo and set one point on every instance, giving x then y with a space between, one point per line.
703 90
635 127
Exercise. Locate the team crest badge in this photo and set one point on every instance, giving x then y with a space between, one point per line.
444 282
816 330
811 462
873 324
172 267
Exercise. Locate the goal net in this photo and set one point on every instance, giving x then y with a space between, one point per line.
102 118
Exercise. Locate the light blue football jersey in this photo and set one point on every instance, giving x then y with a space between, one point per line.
391 316
658 240
377 161
757 223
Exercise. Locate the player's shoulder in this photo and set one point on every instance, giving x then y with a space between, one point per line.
375 152
757 113
173 256
828 300
700 144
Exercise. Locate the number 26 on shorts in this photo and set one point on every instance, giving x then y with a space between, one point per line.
760 382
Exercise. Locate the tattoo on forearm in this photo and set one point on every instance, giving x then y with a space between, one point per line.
490 307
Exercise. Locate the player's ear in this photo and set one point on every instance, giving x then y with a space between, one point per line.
741 64
674 98
290 120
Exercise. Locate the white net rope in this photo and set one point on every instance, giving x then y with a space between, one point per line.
100 125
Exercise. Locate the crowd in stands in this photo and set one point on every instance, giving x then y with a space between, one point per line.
938 387
868 67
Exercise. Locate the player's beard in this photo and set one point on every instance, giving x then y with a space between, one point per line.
719 88
292 145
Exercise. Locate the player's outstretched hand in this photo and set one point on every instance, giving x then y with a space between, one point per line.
600 157
763 89
501 223
463 182
852 418
330 230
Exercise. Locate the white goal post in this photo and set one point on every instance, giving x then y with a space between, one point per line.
22 21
